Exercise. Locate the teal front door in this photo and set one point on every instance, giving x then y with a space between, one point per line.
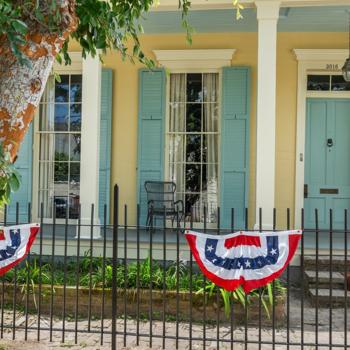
327 161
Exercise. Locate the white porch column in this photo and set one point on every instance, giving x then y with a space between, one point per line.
267 15
90 140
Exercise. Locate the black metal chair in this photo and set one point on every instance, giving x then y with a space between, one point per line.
161 201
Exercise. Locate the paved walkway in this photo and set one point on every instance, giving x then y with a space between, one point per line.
92 341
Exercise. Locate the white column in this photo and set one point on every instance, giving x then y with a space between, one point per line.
90 144
267 15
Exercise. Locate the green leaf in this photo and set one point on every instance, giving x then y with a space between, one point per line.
14 182
19 26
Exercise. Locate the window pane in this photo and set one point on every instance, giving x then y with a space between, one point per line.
61 147
74 176
210 178
177 88
75 147
318 82
339 84
192 205
47 147
62 89
211 117
193 148
193 117
209 202
46 117
49 91
61 117
177 117
193 177
178 176
194 88
210 148
75 88
61 204
176 148
75 117
61 175
73 206
46 176
210 87
46 199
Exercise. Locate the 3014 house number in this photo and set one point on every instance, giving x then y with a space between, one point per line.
331 66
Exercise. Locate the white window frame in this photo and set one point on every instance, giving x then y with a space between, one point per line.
75 68
167 132
195 61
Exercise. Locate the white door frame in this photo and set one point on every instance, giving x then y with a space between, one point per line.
310 60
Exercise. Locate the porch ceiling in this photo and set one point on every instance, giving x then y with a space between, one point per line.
292 19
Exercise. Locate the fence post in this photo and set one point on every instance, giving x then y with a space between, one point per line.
114 266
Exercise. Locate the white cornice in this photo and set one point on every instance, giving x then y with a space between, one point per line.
321 54
75 67
201 59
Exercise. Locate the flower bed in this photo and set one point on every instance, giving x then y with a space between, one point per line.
94 278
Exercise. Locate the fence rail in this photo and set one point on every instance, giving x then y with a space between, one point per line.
139 285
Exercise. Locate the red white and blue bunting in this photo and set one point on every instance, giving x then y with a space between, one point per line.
247 259
15 243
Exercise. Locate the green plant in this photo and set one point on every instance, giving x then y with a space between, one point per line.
265 294
10 178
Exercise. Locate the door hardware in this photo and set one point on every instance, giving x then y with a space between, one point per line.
329 190
306 191
329 142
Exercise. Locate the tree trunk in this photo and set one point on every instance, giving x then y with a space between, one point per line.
21 86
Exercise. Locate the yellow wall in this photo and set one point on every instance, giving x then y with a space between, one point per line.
125 106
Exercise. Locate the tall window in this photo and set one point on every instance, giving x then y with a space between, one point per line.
193 133
59 154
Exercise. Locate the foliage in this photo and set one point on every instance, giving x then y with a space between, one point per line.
171 277
102 24
9 178
265 294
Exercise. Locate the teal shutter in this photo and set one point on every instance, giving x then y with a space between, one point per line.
234 166
151 122
24 195
105 143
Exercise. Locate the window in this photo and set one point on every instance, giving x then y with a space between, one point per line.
327 83
59 150
193 139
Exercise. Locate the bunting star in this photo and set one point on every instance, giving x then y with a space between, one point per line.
210 248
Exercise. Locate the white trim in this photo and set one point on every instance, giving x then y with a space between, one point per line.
199 60
196 225
310 60
268 13
321 55
75 67
90 143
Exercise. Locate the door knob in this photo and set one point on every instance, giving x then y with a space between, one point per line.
329 142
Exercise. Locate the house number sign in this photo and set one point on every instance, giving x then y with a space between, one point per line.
332 66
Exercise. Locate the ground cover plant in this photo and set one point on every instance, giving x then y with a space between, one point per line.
173 276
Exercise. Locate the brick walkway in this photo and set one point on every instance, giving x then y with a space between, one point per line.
92 341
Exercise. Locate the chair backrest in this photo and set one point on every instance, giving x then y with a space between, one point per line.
161 194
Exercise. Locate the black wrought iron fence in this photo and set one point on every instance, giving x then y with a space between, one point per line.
130 284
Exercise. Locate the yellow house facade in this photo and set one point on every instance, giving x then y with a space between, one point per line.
291 52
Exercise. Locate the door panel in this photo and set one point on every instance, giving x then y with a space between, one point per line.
327 161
